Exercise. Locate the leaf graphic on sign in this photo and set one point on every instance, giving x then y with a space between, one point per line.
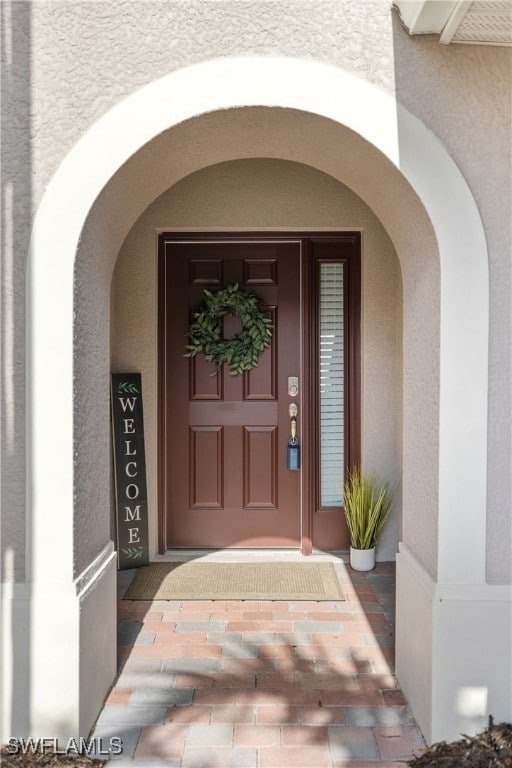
127 388
135 553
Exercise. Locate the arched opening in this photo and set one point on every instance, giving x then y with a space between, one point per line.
264 196
217 112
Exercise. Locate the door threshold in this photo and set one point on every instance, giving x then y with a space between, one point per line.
250 555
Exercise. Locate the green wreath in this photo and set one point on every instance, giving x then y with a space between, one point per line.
242 352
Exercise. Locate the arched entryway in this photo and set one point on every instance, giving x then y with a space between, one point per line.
215 112
265 199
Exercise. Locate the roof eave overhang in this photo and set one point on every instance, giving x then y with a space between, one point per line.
426 17
491 25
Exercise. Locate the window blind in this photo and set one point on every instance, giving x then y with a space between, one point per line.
331 385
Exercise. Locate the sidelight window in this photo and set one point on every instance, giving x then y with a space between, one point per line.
331 367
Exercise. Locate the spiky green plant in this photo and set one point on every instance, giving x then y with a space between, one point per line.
367 505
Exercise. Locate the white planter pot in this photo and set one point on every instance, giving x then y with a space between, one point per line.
362 559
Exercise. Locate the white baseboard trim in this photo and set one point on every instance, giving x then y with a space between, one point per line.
95 569
58 652
453 651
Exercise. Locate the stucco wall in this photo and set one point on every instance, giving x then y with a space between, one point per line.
464 93
88 56
65 64
269 194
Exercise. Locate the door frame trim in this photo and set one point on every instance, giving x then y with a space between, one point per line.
351 257
309 365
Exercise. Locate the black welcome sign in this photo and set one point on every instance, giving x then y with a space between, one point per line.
130 471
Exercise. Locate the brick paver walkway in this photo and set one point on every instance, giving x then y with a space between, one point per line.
246 684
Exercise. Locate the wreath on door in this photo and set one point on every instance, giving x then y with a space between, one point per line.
242 352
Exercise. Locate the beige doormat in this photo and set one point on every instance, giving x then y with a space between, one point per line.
235 581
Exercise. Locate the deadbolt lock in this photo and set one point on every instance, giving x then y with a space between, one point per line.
293 386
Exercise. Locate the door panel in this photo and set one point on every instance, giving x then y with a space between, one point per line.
226 480
206 445
260 463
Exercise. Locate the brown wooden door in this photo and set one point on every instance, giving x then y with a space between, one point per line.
225 473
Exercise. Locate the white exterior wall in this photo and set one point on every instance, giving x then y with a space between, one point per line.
66 65
269 194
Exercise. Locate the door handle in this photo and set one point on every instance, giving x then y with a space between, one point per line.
293 449
293 411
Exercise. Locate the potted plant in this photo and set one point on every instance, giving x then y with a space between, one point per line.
367 505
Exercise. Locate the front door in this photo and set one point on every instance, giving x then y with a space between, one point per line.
222 459
225 458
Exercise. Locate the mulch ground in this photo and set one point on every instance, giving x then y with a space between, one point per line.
490 749
47 760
